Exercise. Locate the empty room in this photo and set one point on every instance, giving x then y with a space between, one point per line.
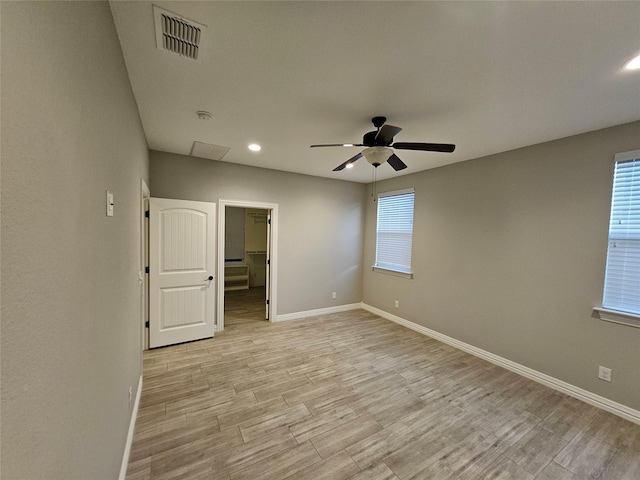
320 240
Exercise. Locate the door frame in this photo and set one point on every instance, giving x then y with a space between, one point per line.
143 277
273 264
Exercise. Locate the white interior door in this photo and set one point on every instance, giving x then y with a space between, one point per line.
181 271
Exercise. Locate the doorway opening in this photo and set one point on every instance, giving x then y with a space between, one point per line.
246 266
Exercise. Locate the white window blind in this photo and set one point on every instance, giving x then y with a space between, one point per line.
622 275
394 231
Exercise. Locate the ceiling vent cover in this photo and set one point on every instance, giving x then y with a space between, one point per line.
208 150
178 34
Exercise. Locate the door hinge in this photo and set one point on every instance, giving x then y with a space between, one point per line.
146 269
269 221
267 301
146 213
146 324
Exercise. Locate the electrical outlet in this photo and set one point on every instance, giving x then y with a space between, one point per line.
130 395
333 295
397 304
604 373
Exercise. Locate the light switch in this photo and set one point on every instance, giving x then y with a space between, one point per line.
109 204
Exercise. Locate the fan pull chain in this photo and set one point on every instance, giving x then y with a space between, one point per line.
373 182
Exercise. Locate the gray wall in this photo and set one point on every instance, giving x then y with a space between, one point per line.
320 233
70 299
509 254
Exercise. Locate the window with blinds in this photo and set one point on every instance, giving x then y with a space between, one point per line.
394 231
622 275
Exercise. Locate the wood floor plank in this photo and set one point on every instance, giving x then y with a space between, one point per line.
614 430
345 435
200 400
553 471
321 422
240 402
255 382
259 426
372 449
336 467
330 400
228 460
351 395
280 465
567 421
139 469
586 456
378 471
172 392
170 439
622 466
236 416
504 469
310 391
535 450
159 423
199 451
276 390
466 459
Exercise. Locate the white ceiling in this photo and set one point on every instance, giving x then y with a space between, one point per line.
487 76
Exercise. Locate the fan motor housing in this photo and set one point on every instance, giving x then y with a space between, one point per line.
370 140
378 121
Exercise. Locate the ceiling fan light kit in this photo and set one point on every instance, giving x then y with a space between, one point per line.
376 156
380 146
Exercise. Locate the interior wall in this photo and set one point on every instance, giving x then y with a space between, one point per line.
320 222
234 235
256 246
71 315
509 254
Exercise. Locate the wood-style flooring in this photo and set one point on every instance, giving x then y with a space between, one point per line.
352 395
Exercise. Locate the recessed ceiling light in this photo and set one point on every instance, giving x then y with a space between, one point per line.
347 144
634 64
254 147
202 115
349 165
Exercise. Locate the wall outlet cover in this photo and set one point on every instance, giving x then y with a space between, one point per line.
109 204
604 373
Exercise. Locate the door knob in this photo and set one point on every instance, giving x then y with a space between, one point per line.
210 277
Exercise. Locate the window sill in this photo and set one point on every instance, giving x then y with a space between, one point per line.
395 273
613 316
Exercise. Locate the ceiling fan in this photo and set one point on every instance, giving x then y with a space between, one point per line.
380 146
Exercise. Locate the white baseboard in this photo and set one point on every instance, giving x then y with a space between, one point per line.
319 311
132 426
588 397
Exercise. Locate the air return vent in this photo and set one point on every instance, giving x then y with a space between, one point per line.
178 34
207 150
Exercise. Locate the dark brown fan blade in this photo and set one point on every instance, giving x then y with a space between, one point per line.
427 147
351 160
396 163
338 145
386 133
